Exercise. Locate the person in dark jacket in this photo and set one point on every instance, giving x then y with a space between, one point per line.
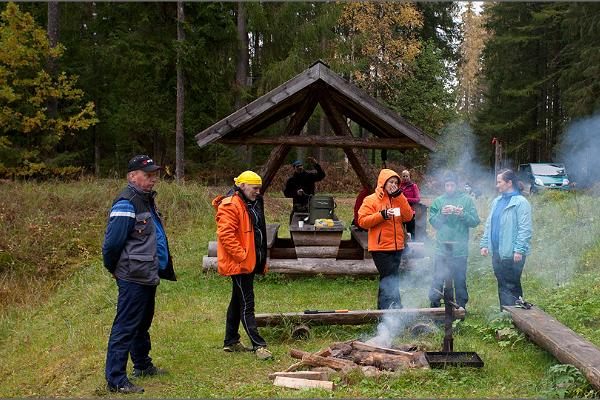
136 253
242 253
301 185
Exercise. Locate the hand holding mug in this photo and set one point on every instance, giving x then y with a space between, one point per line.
458 211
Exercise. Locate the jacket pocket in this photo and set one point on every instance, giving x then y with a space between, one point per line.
140 265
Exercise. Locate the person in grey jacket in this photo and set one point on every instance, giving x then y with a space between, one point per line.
136 253
507 236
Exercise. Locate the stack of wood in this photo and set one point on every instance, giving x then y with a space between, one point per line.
345 357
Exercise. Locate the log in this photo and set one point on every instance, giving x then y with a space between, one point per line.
324 266
389 362
295 367
295 353
312 375
367 347
290 253
564 344
296 383
353 317
331 362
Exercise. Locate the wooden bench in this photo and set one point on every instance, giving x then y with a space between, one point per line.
362 238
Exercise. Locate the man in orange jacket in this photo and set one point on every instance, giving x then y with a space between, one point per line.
383 213
242 253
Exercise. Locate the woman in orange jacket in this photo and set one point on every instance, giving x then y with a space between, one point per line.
383 213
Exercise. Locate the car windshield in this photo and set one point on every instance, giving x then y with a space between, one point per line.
548 169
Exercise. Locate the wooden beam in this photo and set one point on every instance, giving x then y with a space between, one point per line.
357 160
327 141
293 128
564 344
353 317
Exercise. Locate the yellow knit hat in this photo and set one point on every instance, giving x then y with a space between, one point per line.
249 177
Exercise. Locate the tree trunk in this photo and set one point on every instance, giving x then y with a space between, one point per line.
53 35
241 70
179 132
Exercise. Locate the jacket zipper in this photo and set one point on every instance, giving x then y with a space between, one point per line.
394 222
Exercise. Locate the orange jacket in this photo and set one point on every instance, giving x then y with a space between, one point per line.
384 234
235 236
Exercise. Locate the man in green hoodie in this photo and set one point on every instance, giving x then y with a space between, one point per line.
451 215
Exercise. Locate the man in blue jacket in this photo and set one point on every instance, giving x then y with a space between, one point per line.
136 253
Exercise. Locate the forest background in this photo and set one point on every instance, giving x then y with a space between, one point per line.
84 86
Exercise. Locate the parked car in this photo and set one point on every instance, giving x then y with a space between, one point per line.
541 176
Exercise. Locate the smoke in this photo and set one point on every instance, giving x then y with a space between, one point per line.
578 148
458 152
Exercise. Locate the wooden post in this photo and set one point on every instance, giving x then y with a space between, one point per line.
497 156
340 127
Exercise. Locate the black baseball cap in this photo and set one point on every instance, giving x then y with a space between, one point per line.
142 162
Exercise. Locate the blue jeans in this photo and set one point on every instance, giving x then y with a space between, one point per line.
454 268
129 334
508 273
388 265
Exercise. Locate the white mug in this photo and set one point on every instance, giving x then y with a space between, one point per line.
396 211
300 224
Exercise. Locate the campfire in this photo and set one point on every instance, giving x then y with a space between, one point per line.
346 357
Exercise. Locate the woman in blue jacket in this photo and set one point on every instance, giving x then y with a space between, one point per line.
507 236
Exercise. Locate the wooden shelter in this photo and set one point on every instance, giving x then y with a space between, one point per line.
314 250
298 98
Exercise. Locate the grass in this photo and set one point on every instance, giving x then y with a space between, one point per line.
58 303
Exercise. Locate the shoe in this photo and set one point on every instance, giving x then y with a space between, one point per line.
150 371
237 347
126 388
263 354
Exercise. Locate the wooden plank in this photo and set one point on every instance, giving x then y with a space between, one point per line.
296 383
352 317
326 141
312 375
317 251
316 238
564 344
324 266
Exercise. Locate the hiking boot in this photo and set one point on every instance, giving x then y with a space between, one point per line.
126 388
263 354
150 371
237 347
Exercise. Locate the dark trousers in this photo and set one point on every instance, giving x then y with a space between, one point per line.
454 268
508 273
410 228
129 334
241 309
388 265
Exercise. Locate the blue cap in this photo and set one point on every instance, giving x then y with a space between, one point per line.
296 163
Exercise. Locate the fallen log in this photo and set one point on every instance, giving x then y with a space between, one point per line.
353 317
564 344
296 383
312 375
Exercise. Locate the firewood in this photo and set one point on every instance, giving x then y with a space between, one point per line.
313 375
295 366
419 361
295 353
332 362
341 349
367 347
296 383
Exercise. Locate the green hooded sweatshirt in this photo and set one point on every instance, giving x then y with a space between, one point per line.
453 228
